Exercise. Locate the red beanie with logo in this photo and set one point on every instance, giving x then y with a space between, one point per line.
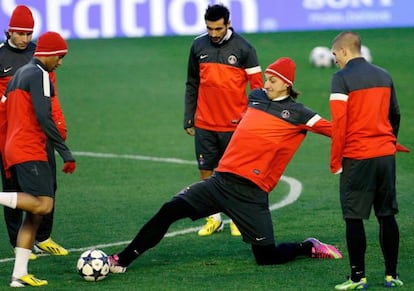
51 44
283 68
21 20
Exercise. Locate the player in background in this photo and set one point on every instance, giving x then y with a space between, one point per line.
365 123
220 64
29 127
15 52
271 131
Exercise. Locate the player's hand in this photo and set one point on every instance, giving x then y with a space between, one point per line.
401 148
190 131
69 167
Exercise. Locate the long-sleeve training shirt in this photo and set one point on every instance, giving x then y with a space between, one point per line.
11 59
217 76
29 117
365 113
267 138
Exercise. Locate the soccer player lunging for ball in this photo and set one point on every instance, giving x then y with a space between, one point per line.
264 142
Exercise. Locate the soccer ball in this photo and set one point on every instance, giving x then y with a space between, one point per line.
93 265
366 53
321 57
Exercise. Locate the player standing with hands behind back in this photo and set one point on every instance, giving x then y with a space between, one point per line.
365 123
220 65
29 127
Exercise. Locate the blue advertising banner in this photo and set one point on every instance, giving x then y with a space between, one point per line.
139 18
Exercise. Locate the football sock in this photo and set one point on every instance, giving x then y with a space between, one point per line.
20 264
305 248
155 229
357 244
8 199
280 254
389 237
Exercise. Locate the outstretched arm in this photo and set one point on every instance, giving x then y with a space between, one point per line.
319 125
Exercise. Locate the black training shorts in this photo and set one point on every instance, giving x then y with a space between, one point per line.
210 147
368 183
244 202
35 178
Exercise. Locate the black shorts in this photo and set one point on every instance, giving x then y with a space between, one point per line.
34 178
9 184
244 202
210 147
368 183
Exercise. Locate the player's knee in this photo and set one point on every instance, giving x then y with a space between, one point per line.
41 210
44 206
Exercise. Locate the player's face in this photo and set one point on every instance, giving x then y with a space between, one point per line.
51 63
275 87
217 30
21 39
339 54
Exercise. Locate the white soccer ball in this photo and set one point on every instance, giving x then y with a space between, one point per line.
321 57
93 265
366 53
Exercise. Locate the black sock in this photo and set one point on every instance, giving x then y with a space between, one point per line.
356 241
155 229
389 237
281 253
305 248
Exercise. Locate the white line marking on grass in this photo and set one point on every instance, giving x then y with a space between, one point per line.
134 157
295 189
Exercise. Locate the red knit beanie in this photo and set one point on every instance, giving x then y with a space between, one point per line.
283 68
51 44
21 20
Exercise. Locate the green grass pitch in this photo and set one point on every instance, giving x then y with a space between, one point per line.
124 98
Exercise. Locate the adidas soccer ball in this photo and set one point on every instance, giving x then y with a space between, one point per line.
321 57
366 53
93 265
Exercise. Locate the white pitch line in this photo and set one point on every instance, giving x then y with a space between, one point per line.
295 189
134 157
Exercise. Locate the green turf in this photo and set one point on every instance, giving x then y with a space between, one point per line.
125 97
